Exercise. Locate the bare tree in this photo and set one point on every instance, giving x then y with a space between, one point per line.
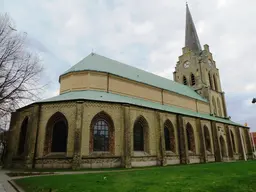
20 70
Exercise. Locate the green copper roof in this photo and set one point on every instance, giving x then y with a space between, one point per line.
94 62
115 98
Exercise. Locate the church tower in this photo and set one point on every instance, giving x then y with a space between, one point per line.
196 68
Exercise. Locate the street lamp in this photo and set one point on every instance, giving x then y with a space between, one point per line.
254 100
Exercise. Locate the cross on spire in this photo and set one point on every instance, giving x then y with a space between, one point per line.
191 38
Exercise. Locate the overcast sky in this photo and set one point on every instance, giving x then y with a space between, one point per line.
148 34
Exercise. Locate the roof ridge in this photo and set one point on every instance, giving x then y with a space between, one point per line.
97 62
136 68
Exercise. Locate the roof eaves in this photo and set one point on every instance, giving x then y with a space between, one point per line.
175 110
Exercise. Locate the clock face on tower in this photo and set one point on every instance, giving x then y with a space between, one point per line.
186 64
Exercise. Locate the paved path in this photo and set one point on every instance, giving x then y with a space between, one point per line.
4 185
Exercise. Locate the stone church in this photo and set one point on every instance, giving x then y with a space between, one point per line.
109 114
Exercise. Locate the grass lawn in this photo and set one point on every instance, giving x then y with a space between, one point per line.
214 177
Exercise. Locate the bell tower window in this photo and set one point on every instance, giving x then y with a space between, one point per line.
192 79
185 82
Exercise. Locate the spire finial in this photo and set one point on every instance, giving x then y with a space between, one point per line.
191 38
92 52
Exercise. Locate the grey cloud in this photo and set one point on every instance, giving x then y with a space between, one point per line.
69 31
36 44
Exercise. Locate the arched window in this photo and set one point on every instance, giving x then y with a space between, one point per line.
223 147
56 134
190 137
219 107
233 141
59 137
167 139
22 137
207 139
140 134
192 79
215 83
169 136
102 135
210 80
214 106
185 82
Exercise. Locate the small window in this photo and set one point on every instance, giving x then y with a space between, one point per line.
193 81
185 80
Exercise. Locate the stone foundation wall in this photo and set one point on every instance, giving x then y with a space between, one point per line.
249 156
194 159
225 159
101 162
210 158
144 161
237 157
54 163
17 163
172 160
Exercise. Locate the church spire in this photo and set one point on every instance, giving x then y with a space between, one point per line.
191 38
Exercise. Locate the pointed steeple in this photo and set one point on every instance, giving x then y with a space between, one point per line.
191 38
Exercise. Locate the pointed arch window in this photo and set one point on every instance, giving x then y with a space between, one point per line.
59 137
223 147
185 82
207 139
102 133
190 137
22 136
219 108
192 79
233 141
167 139
101 136
215 82
210 80
56 134
140 134
169 136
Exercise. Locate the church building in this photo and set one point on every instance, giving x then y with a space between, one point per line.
109 114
